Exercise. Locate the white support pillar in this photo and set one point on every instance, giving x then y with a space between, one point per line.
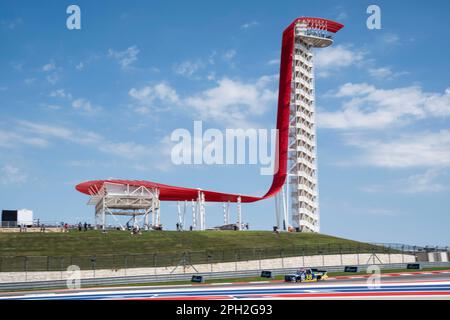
146 222
194 213
179 221
239 213
277 210
284 205
158 216
103 215
201 209
153 211
96 220
226 213
184 215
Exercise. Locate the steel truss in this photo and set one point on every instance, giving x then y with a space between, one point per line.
125 200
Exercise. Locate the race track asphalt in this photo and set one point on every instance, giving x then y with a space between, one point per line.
413 285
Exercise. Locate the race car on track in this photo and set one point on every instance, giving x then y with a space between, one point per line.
306 275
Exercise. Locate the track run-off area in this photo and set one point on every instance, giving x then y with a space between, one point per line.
407 285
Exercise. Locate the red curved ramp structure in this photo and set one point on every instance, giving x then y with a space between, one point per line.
175 193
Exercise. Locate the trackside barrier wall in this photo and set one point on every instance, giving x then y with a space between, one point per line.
188 277
181 267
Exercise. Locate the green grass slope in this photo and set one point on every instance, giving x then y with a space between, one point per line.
116 249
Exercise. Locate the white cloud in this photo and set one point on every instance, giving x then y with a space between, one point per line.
211 58
229 102
11 175
187 68
385 73
129 150
273 61
391 38
9 139
53 107
354 89
53 78
420 183
80 66
229 54
33 134
11 24
335 58
149 94
46 130
371 108
84 105
424 183
60 93
125 58
29 81
48 67
52 72
250 24
342 16
424 149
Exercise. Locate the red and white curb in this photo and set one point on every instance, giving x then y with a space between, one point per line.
396 274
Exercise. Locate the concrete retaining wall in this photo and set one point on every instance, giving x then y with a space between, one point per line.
290 262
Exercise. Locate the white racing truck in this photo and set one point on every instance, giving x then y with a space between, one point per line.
306 275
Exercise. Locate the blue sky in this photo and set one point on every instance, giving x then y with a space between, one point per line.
102 101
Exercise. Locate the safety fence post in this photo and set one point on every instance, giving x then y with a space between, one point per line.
260 253
210 262
61 265
26 267
403 254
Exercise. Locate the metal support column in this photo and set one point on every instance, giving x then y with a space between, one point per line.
239 213
194 213
103 215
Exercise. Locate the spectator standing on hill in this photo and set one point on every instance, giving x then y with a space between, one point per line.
85 226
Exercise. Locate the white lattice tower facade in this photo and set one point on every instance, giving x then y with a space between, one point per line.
302 160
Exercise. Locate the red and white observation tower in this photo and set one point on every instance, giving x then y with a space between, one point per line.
295 181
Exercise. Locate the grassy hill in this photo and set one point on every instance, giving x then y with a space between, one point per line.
116 249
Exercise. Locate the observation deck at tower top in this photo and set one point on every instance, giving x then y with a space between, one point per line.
316 32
